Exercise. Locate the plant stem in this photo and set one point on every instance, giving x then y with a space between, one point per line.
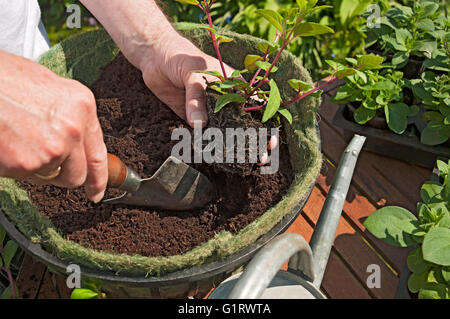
255 108
11 281
214 40
286 42
300 97
266 55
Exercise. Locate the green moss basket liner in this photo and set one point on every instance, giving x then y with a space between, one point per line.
82 58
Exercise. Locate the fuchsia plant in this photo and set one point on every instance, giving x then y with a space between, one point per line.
289 24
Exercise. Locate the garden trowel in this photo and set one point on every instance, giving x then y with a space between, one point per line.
174 186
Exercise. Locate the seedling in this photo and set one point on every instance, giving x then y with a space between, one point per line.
420 31
290 25
377 93
433 90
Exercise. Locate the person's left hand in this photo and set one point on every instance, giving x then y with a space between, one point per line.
168 74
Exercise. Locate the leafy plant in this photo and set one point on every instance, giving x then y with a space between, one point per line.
434 93
410 31
7 253
91 290
429 262
289 24
377 93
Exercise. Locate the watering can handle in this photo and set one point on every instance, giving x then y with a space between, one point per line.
267 262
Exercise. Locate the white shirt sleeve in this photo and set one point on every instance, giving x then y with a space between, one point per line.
21 30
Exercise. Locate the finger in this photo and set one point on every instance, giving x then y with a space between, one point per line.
195 100
96 160
273 143
73 170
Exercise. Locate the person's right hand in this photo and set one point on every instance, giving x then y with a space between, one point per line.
47 122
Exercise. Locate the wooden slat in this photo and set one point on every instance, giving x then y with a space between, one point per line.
339 283
30 278
390 169
352 248
380 189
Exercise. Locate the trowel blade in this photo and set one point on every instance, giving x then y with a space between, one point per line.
175 186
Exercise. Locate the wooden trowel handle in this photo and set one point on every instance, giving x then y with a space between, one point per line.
117 171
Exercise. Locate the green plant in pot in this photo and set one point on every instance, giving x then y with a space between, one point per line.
433 91
377 98
262 93
409 35
428 234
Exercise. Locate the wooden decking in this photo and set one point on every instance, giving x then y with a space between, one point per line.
377 181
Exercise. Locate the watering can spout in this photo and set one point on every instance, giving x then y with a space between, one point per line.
325 230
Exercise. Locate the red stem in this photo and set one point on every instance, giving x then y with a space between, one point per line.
11 281
300 97
266 55
255 108
214 40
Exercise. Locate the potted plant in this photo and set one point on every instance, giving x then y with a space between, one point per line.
427 232
197 270
409 35
388 105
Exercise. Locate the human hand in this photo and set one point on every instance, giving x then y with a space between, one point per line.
168 74
48 122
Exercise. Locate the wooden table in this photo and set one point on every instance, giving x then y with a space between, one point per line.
378 181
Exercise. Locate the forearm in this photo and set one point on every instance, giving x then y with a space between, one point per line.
138 27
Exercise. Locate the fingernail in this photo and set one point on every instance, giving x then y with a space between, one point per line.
97 198
198 118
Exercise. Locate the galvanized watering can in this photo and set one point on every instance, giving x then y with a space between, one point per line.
262 278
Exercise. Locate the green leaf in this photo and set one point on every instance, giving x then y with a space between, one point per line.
369 62
299 86
430 192
265 66
273 104
400 59
436 246
392 224
344 73
417 281
83 293
266 47
434 133
213 73
250 62
194 2
434 291
307 29
238 73
273 17
2 234
187 26
223 39
286 114
362 115
226 99
9 251
397 117
415 261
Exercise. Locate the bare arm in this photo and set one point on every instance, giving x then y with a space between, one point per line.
165 58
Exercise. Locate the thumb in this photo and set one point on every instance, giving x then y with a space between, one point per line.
195 100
